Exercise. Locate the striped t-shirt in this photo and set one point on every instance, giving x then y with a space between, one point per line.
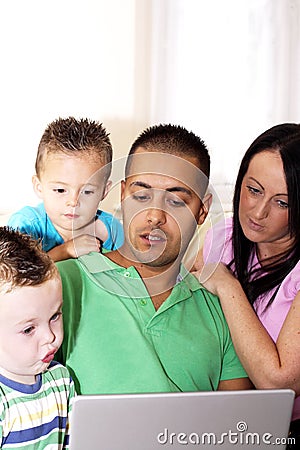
36 416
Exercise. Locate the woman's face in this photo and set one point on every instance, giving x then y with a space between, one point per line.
263 208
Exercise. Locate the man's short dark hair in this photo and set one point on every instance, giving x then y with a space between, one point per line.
175 140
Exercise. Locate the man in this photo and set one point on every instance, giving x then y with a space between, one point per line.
135 319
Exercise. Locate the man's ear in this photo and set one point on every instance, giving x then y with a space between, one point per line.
206 204
37 186
123 184
107 188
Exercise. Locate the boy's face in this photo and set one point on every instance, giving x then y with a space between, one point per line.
31 330
71 188
161 207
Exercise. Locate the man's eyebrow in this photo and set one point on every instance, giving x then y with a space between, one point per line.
180 189
140 184
172 189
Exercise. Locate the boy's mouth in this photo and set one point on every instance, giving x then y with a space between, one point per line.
49 357
71 216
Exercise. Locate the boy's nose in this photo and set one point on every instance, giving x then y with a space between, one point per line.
49 336
73 200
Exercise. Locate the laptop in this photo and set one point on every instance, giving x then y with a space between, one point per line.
224 419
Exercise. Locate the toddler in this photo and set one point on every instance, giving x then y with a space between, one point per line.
36 392
73 166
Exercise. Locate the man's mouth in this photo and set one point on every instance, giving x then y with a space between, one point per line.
155 237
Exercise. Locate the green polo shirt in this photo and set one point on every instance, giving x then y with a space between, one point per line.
116 342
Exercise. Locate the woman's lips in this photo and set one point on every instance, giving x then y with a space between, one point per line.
254 226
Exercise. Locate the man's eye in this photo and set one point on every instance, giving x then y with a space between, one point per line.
140 197
176 203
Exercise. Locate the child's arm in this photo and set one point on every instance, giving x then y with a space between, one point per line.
80 245
109 230
72 394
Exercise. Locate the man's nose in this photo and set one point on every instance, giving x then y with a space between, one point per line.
156 216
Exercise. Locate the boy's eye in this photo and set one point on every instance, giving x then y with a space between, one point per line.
87 192
28 330
56 317
59 190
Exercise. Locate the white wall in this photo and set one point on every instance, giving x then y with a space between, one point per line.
61 58
226 70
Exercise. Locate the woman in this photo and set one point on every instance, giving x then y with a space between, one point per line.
259 281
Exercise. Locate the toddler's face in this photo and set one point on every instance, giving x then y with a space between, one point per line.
31 330
71 188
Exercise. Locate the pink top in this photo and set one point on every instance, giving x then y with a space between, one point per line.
218 247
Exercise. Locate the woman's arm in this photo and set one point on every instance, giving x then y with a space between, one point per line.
268 365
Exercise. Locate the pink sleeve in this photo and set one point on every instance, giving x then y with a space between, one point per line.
217 243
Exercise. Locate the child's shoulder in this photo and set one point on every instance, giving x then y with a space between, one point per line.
56 370
28 213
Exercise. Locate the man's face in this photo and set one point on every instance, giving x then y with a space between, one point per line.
161 207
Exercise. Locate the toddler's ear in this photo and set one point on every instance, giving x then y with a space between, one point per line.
107 188
37 187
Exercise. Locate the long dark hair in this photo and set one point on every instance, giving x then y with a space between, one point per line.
284 139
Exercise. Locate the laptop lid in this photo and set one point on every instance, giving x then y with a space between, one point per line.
224 419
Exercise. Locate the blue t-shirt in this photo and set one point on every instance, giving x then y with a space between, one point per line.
35 222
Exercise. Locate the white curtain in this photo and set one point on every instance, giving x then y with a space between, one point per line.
226 70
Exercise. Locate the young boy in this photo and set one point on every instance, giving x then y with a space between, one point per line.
36 392
73 166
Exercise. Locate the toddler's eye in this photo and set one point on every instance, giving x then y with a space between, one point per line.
56 317
28 330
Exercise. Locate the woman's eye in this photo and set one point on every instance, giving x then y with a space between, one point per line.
282 204
253 190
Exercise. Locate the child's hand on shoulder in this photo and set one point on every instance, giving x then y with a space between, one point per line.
78 246
82 245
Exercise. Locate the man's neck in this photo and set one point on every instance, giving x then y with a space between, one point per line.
159 281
